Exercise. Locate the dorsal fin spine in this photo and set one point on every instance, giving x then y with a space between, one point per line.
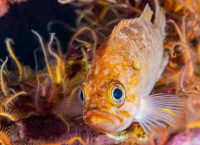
121 25
160 19
147 14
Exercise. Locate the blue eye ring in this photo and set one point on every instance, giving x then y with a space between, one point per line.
117 93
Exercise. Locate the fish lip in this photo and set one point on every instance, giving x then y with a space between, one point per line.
114 121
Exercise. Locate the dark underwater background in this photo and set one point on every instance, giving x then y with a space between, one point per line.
37 15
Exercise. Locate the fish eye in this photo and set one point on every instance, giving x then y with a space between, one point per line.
117 94
82 96
82 93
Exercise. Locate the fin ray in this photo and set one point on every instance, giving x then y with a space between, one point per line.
160 19
147 14
70 105
121 25
159 110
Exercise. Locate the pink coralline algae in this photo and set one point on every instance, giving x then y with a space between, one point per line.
188 137
5 4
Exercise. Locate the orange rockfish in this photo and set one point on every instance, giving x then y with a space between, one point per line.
122 75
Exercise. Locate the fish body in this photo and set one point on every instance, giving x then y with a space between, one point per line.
122 75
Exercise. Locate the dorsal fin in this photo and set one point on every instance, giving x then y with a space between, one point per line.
160 18
147 14
121 25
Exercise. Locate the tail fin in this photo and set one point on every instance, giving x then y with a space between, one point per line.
160 19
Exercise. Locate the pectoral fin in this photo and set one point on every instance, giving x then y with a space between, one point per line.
159 110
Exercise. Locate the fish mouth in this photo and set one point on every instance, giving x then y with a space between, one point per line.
102 121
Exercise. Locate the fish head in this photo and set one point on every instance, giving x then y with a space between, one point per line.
108 96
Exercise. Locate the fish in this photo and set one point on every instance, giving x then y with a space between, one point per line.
123 72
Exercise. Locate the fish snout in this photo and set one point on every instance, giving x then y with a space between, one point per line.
101 121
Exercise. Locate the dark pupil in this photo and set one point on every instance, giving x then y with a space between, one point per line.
117 93
81 95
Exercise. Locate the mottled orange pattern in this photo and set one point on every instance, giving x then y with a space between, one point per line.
124 60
